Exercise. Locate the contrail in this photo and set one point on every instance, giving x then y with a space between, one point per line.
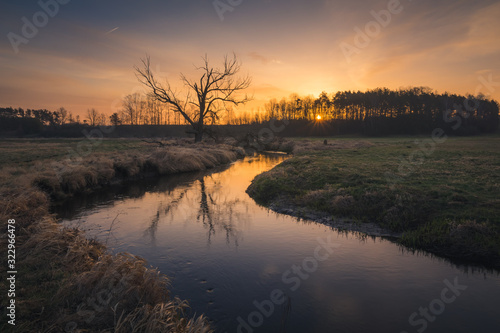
110 31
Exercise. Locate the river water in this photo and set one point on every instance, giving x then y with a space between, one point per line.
251 270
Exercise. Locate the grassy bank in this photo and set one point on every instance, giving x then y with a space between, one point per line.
443 197
66 282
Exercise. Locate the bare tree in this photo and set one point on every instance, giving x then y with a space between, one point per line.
62 115
133 108
154 111
206 97
102 119
92 116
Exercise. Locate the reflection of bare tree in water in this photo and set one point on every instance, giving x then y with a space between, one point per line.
163 211
153 227
204 211
216 211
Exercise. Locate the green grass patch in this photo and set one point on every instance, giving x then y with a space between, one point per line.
431 195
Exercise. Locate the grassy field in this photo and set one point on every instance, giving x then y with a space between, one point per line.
68 282
445 198
443 194
23 152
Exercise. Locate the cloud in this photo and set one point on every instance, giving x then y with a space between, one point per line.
269 91
442 47
263 59
444 44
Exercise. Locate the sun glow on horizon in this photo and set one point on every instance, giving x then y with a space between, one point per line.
87 60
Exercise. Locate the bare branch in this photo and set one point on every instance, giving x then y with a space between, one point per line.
215 88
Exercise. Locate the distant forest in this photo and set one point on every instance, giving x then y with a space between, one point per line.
377 112
381 111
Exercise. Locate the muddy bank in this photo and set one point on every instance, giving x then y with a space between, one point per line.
343 224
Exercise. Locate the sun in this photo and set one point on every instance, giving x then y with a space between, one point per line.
318 117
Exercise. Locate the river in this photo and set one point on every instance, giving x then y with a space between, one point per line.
251 270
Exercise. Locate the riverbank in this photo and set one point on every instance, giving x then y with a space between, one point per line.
442 197
66 282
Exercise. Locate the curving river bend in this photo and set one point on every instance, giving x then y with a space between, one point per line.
252 270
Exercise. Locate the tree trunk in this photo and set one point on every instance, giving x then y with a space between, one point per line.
198 136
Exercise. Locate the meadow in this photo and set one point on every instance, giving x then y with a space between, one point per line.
443 196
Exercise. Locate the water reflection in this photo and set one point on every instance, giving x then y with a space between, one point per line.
224 253
217 212
216 206
132 189
214 209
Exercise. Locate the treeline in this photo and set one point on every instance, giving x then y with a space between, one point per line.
44 116
416 110
31 121
383 111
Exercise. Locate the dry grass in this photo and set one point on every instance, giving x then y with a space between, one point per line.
160 318
120 294
176 160
68 281
66 178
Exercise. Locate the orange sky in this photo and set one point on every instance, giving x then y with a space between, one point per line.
84 56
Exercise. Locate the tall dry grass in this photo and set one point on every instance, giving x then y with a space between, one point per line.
68 281
67 178
122 293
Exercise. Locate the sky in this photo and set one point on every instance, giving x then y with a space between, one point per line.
82 54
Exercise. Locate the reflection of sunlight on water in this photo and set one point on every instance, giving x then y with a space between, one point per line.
217 201
223 252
